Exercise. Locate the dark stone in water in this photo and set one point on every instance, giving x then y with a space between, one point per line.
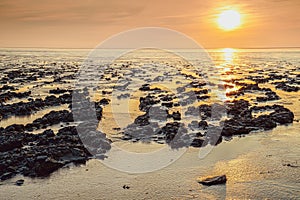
27 108
175 134
7 87
197 142
167 104
176 115
203 125
214 180
57 91
145 87
147 102
167 98
9 95
270 96
19 182
287 88
197 84
49 119
142 120
243 122
104 101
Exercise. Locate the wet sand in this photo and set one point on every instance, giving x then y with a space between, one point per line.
256 168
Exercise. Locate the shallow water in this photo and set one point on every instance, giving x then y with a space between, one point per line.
255 165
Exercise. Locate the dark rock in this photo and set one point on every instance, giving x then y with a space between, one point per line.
147 102
282 116
44 168
203 97
264 122
203 125
126 187
106 92
49 119
270 96
48 133
250 87
123 96
7 87
142 120
214 180
167 98
15 128
99 110
205 111
176 115
237 107
203 91
145 87
197 142
22 109
19 182
196 84
104 101
167 104
235 127
287 88
41 158
47 152
9 95
10 143
174 133
7 175
57 91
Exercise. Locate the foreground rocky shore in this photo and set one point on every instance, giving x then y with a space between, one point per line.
56 139
38 155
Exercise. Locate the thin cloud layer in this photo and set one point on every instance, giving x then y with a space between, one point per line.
76 23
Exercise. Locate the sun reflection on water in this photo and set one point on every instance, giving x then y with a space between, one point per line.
228 55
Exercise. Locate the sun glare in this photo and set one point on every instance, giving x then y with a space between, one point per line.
229 20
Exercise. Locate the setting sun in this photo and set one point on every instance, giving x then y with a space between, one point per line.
229 20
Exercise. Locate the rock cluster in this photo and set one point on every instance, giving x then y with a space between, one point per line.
26 108
37 155
9 95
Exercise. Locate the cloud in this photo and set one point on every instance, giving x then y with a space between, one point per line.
52 22
62 11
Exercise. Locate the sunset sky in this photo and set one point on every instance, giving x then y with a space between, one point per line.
84 24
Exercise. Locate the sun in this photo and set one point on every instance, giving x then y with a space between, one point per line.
229 20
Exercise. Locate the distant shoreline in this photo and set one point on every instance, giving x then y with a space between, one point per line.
211 48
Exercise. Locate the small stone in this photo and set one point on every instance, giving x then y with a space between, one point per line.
19 182
126 187
214 180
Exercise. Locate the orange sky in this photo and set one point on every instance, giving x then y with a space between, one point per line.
85 23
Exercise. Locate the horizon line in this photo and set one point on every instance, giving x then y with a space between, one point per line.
274 47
